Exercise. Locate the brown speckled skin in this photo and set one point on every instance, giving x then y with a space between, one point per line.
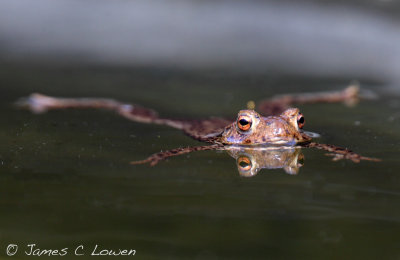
273 130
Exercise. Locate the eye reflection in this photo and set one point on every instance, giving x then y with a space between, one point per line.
244 163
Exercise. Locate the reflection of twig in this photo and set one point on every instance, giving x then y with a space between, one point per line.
336 152
157 157
340 152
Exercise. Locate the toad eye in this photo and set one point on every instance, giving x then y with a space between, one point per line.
244 122
300 120
244 163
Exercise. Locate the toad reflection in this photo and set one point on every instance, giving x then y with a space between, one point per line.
250 161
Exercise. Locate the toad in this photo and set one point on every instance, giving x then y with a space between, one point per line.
283 128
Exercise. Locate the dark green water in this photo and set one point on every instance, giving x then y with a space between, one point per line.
65 178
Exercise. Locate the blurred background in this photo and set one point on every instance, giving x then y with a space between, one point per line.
65 177
358 39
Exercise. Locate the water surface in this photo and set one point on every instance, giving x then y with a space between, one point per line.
65 177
